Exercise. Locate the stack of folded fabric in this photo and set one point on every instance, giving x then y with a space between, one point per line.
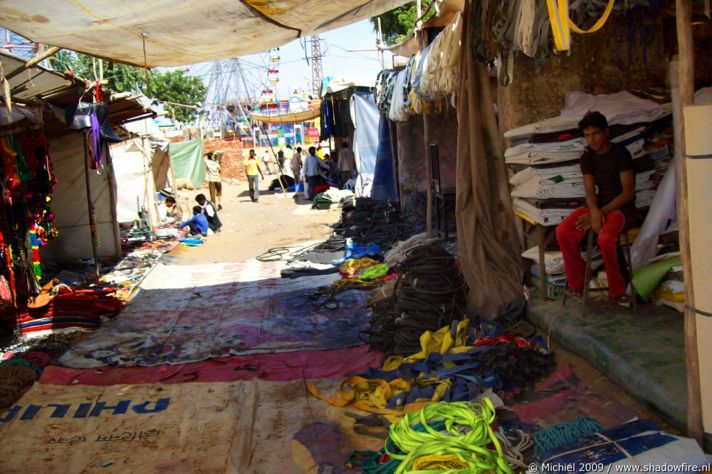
69 310
551 186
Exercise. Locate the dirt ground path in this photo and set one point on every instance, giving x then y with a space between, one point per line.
278 220
249 228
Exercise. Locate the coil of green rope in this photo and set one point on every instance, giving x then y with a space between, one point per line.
468 459
460 430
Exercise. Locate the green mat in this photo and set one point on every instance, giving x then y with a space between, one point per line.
644 354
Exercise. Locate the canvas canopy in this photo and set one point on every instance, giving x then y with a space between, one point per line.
294 117
175 32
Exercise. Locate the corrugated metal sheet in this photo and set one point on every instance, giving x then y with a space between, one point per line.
179 32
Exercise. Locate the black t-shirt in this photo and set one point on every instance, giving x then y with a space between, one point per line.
606 170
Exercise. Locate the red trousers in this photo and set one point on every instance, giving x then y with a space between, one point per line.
569 239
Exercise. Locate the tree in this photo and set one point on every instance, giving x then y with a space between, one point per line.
182 93
398 23
171 86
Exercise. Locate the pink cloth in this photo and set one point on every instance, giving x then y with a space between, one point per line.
281 366
562 397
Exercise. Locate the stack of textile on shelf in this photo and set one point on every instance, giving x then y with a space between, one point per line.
550 185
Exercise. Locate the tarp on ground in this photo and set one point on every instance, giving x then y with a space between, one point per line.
486 231
190 313
240 427
365 117
69 204
187 160
384 179
176 32
280 366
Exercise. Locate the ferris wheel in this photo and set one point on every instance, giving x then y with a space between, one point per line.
273 72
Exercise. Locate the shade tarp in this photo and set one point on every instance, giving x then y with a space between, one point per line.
176 32
250 426
187 161
294 117
486 230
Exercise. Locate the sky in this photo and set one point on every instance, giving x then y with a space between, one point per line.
340 60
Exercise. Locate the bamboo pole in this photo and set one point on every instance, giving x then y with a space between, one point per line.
686 81
93 230
40 57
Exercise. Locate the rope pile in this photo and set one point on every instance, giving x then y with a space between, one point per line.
17 373
429 293
562 434
450 437
366 221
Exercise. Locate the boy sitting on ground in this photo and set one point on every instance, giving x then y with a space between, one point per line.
211 214
198 223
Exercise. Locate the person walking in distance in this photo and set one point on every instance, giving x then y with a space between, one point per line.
296 164
312 167
252 170
213 175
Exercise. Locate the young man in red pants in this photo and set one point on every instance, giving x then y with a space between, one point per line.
609 181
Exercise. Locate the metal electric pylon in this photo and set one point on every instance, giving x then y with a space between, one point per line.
316 65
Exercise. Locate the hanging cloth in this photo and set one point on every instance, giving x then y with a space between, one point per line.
561 24
95 151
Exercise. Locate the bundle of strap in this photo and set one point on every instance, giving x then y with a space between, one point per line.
442 437
561 24
448 368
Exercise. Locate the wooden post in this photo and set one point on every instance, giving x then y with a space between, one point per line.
423 42
428 176
686 81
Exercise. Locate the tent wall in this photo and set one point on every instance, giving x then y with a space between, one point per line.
134 180
161 167
69 204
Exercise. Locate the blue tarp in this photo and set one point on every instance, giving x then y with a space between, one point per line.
365 117
384 180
